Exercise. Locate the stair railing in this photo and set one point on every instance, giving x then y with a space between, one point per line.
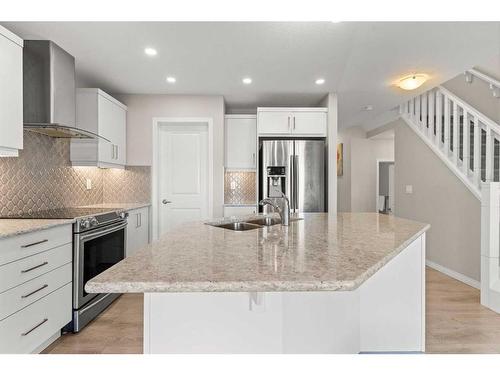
464 138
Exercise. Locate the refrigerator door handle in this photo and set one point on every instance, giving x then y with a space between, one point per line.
292 182
296 180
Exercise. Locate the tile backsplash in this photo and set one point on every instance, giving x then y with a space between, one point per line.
239 187
42 177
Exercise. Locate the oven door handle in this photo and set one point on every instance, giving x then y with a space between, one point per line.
102 232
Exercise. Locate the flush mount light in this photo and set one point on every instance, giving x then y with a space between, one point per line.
320 81
413 81
171 79
150 51
247 80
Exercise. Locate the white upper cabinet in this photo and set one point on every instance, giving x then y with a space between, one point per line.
241 141
102 114
292 122
11 93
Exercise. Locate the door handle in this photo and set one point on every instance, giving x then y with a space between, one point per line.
165 201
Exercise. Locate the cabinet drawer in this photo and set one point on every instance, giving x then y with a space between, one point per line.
23 270
24 245
27 329
21 296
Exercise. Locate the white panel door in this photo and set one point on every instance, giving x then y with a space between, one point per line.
241 142
183 175
309 123
273 122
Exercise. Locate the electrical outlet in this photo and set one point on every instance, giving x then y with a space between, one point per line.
88 183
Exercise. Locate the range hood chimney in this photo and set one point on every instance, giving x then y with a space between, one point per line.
49 91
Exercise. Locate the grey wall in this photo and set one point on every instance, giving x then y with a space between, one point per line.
440 199
143 108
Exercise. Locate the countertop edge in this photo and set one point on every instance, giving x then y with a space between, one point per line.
35 228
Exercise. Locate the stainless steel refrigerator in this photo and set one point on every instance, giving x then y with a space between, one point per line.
297 167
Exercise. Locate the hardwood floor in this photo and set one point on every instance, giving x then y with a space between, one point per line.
456 323
455 320
118 330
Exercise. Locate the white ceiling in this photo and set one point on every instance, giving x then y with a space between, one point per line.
360 61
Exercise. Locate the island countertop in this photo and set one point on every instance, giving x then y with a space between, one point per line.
317 253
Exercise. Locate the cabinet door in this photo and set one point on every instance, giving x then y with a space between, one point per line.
137 230
106 120
309 123
11 96
274 122
241 143
120 136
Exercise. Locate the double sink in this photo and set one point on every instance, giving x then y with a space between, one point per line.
241 226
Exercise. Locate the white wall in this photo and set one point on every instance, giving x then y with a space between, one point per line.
143 108
440 199
357 187
330 102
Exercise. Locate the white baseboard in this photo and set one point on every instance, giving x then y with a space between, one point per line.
457 276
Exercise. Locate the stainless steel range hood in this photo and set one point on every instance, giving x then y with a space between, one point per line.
49 91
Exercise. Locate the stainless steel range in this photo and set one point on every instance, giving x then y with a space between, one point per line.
99 240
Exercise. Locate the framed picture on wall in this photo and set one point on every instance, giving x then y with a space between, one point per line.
340 159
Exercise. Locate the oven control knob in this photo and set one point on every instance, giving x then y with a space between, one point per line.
94 222
85 224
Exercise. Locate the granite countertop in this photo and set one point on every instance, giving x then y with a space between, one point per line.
120 206
316 253
14 227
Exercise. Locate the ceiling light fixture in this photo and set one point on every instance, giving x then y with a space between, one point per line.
413 81
171 79
150 51
320 81
368 107
247 80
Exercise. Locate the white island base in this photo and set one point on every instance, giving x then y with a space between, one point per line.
386 313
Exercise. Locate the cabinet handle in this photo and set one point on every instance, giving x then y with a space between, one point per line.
253 156
35 267
137 220
33 244
35 291
293 122
35 327
116 152
288 122
112 151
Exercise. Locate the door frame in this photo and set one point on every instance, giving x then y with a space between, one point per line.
378 182
155 163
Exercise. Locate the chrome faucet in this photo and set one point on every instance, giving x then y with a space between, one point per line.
283 211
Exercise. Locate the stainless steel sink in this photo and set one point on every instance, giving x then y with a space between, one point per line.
239 226
267 221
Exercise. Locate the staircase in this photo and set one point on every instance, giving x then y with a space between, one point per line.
468 142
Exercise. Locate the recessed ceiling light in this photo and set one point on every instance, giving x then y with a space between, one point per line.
368 107
150 51
413 81
247 80
320 81
171 79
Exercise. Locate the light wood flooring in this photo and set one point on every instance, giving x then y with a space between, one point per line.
456 323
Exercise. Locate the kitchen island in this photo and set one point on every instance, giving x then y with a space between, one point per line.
348 283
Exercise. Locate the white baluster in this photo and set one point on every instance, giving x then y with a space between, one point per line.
466 136
477 152
439 119
446 125
456 133
423 99
418 111
431 110
489 155
412 108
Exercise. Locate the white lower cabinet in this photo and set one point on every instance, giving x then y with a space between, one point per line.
239 210
35 288
137 230
27 330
